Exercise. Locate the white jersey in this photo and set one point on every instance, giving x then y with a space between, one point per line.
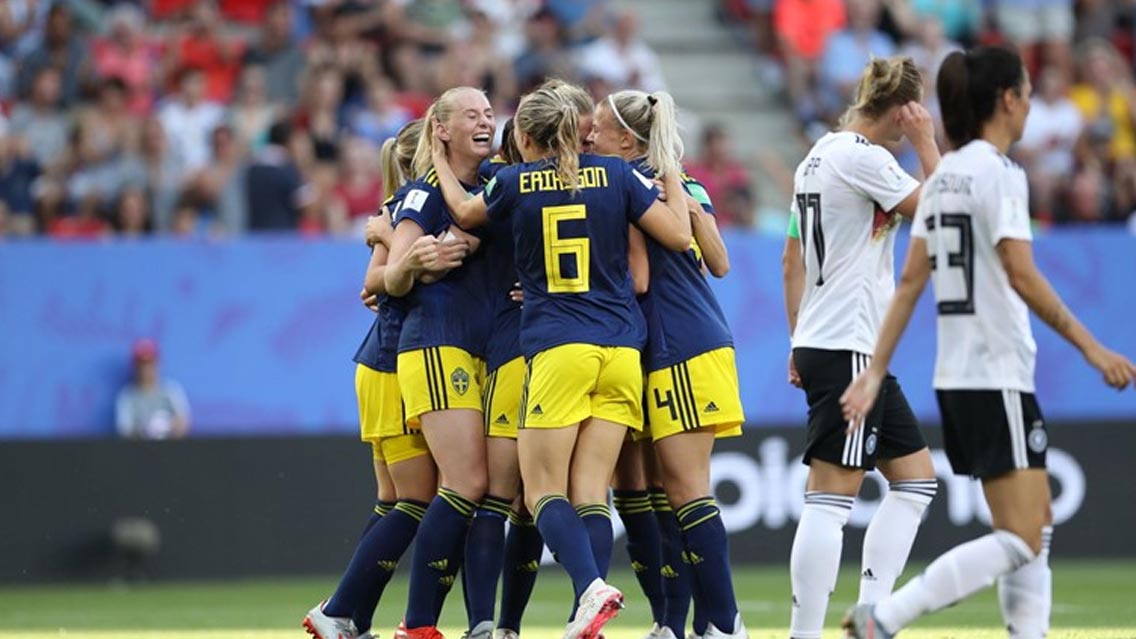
975 199
845 194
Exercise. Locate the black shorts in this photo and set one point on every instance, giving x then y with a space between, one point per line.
890 430
987 433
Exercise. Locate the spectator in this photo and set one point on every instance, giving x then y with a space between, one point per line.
961 20
41 124
847 53
722 175
275 187
803 27
189 118
61 49
252 113
150 407
1034 24
582 20
165 173
319 116
127 54
1048 143
382 117
206 46
85 224
545 54
100 168
1105 97
132 214
623 58
476 62
359 192
220 187
17 178
282 60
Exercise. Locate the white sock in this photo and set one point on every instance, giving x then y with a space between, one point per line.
891 532
815 560
1026 594
955 575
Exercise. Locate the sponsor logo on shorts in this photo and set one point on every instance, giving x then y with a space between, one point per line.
501 419
1038 439
460 381
870 442
537 410
710 408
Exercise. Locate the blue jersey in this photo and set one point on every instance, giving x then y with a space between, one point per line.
454 311
571 250
379 350
683 316
505 337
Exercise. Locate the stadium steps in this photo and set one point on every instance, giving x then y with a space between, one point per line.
715 78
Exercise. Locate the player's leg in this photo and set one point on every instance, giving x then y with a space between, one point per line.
905 462
523 549
837 461
386 496
644 544
985 435
676 574
485 545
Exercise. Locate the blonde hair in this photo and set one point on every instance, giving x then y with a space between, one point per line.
885 82
553 123
653 120
576 95
396 158
440 111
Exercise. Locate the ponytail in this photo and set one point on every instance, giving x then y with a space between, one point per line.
388 165
971 84
396 158
953 87
567 147
653 121
424 152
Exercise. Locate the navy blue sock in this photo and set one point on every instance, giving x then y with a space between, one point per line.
447 581
567 537
374 562
381 508
523 548
441 538
484 557
644 546
597 521
676 574
708 553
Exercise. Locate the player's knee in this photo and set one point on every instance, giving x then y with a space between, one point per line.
1021 538
685 489
472 486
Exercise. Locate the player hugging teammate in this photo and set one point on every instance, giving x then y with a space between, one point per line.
500 394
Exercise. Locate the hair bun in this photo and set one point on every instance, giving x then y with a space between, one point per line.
652 100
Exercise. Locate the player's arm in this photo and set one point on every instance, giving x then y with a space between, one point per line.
413 252
638 261
1034 289
469 212
858 399
793 280
374 280
668 222
705 231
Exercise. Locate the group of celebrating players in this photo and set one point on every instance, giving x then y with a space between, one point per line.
545 336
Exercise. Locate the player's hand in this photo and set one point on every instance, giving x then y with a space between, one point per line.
859 397
369 300
451 252
794 376
438 152
378 229
423 252
517 294
662 189
1118 372
917 124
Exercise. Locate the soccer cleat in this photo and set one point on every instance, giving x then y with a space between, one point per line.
368 635
693 635
860 623
599 604
483 630
665 633
422 632
505 633
322 626
740 632
653 633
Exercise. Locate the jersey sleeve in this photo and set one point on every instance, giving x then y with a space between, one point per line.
879 177
698 192
498 195
423 205
794 229
919 223
1009 208
641 192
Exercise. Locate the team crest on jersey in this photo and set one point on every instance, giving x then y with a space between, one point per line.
460 381
870 442
883 223
1038 439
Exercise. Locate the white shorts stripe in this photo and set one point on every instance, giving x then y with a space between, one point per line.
1012 404
849 440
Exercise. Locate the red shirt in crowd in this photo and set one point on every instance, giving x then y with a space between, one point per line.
806 24
720 181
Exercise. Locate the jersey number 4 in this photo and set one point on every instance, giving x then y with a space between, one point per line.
563 256
808 205
962 303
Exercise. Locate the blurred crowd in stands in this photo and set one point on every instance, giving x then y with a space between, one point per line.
1079 147
207 117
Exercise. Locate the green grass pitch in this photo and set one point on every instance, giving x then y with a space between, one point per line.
1092 600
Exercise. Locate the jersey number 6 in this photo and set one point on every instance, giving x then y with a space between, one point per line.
565 254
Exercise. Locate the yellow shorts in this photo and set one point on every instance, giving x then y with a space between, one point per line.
568 384
645 434
701 392
381 417
439 378
502 401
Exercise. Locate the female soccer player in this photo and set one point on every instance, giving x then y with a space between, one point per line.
849 196
580 329
971 233
692 385
440 365
404 469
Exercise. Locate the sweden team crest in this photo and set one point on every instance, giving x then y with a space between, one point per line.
460 381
